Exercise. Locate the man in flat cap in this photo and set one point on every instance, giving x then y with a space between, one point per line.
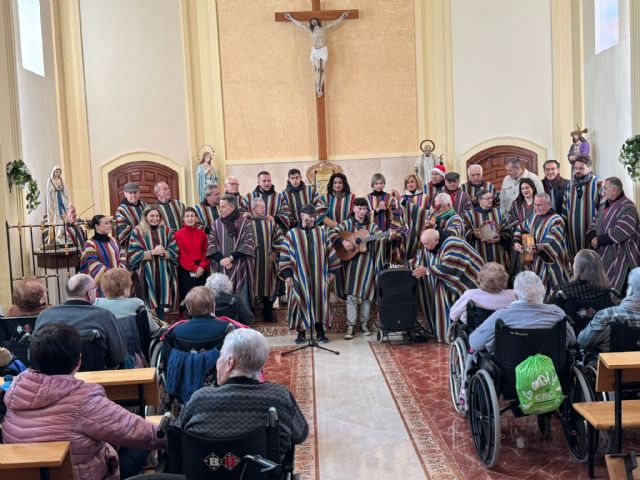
308 262
129 213
459 198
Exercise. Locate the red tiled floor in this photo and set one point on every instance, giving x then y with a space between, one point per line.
418 376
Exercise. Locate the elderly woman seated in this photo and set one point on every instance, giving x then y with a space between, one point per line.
29 298
243 399
48 404
227 304
116 286
492 294
528 311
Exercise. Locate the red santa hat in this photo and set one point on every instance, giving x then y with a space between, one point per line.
439 169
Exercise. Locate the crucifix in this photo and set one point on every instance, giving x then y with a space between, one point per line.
319 55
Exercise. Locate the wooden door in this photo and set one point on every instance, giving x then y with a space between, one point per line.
146 174
494 159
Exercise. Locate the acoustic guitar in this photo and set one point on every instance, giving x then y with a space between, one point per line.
360 238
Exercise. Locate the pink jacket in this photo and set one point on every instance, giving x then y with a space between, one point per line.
49 408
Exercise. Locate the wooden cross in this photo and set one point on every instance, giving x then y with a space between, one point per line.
304 16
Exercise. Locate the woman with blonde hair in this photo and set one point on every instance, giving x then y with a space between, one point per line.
413 191
153 253
492 294
587 292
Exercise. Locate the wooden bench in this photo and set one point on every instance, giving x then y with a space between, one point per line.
36 461
139 384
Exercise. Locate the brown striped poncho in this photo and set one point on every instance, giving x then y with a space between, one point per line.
127 218
297 198
267 238
582 203
490 252
207 215
618 231
172 213
276 204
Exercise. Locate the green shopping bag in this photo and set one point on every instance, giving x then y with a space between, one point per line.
537 384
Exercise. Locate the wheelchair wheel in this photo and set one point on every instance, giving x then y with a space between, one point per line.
544 425
379 336
590 374
457 360
573 425
484 414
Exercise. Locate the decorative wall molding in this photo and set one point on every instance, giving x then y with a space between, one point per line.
634 24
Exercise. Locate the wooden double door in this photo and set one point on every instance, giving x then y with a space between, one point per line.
494 159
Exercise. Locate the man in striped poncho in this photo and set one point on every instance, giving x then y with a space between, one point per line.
447 266
615 234
308 262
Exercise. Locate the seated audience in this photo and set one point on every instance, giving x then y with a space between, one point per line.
588 291
528 311
80 312
29 298
492 294
595 336
227 304
244 401
203 325
48 404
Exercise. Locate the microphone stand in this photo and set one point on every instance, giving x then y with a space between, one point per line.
312 343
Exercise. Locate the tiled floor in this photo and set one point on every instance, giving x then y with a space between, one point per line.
384 412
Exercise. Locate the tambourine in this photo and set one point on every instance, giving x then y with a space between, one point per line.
488 230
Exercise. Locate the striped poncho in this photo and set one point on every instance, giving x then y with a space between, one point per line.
460 200
308 257
157 276
551 263
267 239
416 197
335 207
276 204
128 217
490 252
207 215
617 229
415 218
361 271
100 254
172 213
451 223
452 268
383 217
580 208
297 198
472 190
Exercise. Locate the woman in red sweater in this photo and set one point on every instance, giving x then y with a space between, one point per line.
193 265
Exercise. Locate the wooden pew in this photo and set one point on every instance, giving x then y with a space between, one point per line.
36 461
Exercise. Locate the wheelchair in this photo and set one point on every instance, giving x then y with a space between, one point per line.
15 336
255 455
493 377
458 348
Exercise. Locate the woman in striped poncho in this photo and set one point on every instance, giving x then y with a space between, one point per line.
102 252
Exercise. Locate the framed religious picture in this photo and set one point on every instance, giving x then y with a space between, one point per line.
320 173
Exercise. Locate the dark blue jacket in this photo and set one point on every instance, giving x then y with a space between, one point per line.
202 328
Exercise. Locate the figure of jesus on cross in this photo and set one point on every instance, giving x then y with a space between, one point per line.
319 50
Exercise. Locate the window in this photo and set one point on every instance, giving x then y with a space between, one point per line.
606 24
31 36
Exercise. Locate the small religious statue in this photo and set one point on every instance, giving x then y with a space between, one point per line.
206 174
427 161
57 203
579 146
319 50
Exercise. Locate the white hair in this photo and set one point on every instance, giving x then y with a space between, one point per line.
529 287
546 197
249 349
219 283
473 166
229 178
634 281
79 285
255 201
444 199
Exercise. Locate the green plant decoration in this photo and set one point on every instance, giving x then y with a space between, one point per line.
630 156
18 174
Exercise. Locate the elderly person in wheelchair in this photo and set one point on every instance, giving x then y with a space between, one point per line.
504 340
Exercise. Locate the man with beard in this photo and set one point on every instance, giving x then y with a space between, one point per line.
361 271
267 239
308 262
555 185
511 183
492 249
129 213
475 183
207 209
615 234
232 247
444 218
172 209
459 198
447 266
583 201
436 184
550 259
298 194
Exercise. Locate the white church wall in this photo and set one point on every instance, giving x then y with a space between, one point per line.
135 83
38 111
502 72
607 93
